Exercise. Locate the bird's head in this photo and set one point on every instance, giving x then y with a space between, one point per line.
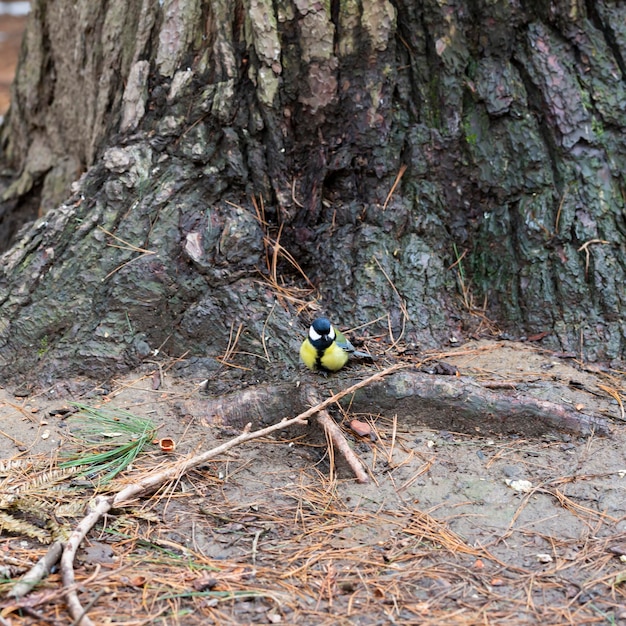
321 333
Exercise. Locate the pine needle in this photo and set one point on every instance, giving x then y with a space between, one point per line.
97 428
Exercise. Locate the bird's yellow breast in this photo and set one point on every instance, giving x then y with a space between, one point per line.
308 354
334 357
331 359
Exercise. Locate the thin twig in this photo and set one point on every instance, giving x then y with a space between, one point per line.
337 439
585 248
263 339
396 182
405 313
77 621
394 433
558 213
38 571
125 244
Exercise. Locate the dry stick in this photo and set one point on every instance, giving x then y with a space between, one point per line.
338 440
103 504
39 571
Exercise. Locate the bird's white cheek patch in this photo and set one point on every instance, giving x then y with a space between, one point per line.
313 335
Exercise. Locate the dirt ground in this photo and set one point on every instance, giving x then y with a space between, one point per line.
453 528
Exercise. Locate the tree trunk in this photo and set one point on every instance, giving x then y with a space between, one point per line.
415 166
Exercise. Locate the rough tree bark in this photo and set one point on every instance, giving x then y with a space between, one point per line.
501 125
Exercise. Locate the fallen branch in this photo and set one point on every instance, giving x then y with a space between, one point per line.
336 438
38 571
102 504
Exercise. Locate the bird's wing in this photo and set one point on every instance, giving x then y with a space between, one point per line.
345 344
342 342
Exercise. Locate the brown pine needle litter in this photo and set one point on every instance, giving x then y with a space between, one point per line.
266 533
280 263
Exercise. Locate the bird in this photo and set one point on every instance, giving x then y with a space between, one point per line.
326 349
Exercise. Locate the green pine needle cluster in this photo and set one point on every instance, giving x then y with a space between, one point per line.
112 437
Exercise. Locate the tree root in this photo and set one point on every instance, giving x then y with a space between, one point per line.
442 402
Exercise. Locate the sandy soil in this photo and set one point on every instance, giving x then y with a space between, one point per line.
272 532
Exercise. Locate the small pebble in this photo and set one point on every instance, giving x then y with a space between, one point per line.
362 429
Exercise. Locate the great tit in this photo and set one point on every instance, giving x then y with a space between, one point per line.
326 349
